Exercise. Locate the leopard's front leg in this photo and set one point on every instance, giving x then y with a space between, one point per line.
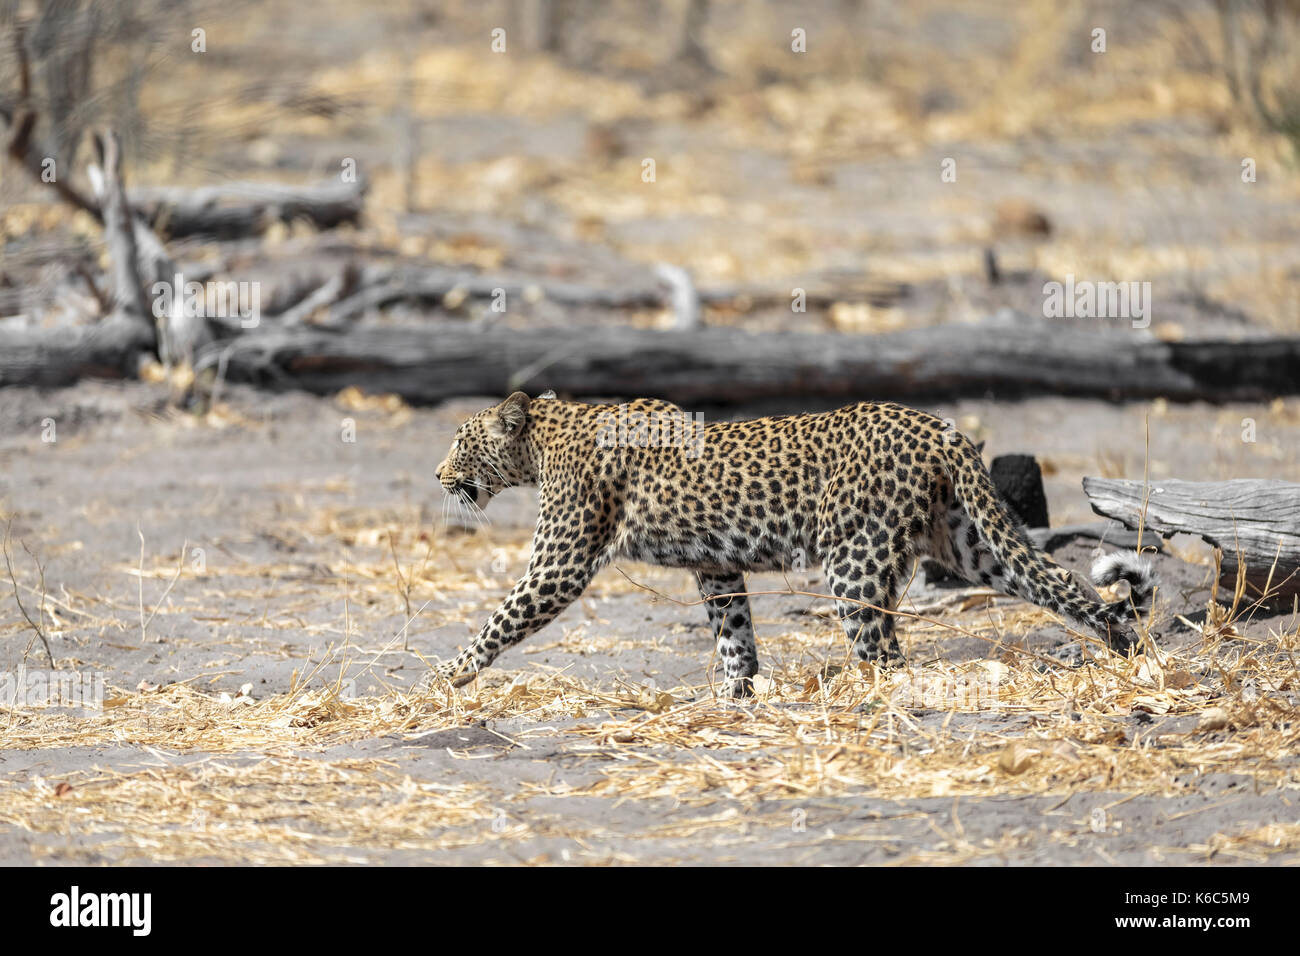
561 567
733 629
535 600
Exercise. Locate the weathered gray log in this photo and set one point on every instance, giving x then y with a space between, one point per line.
138 259
681 294
378 286
112 348
239 210
717 365
1255 522
820 294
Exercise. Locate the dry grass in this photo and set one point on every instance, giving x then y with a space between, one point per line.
814 731
272 811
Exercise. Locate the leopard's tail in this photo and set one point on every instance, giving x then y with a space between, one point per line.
1023 569
1130 567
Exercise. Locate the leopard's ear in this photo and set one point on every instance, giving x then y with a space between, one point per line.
511 415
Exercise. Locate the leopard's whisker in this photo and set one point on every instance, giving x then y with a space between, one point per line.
497 470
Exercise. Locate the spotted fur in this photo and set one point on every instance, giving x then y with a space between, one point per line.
863 490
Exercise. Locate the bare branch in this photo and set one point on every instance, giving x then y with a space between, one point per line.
35 626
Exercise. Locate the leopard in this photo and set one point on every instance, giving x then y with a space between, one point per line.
864 490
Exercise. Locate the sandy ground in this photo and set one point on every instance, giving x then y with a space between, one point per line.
287 579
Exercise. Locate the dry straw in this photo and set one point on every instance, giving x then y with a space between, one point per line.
244 780
814 731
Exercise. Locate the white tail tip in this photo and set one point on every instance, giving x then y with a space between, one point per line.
1125 566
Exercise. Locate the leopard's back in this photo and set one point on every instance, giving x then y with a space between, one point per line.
754 495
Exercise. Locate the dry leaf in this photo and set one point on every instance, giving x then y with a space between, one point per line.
655 701
1151 704
974 601
1016 756
1020 217
1149 671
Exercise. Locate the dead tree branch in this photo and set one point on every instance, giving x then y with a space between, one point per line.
13 580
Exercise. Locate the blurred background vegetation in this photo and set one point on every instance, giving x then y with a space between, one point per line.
821 167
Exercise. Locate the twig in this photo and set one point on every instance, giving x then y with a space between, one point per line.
14 581
403 588
140 581
171 584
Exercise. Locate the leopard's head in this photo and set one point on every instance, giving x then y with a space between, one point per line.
488 453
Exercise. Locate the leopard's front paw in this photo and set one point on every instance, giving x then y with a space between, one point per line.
460 679
891 660
455 673
739 688
886 654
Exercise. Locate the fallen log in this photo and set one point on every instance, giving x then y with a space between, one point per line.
1255 522
723 366
140 261
111 348
240 210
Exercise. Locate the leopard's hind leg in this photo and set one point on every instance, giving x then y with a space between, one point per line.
864 561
